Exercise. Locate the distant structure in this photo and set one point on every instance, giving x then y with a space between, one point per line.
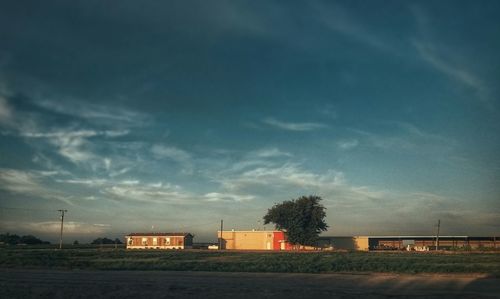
366 243
159 240
276 240
254 240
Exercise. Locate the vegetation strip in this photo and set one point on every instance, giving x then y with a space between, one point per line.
317 262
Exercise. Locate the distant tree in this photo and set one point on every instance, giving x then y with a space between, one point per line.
31 240
15 239
102 241
303 219
75 242
9 239
118 241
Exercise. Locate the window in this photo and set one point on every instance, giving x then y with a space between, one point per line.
155 241
167 241
130 240
144 241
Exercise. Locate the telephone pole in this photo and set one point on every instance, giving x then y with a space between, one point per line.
437 235
62 223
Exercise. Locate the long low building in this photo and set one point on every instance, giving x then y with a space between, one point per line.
159 241
366 243
253 240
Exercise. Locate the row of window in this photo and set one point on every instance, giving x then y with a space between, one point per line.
155 241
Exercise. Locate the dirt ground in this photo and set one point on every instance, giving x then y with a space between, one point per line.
166 284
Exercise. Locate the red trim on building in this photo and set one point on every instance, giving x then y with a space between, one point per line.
278 239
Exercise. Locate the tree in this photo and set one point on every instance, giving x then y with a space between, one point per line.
106 241
31 240
303 219
15 239
102 241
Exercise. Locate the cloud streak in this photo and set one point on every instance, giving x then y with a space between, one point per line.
457 73
291 126
29 183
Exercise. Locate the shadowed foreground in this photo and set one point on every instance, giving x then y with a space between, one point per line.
167 284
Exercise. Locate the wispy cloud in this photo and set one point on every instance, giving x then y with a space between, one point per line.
339 20
406 137
112 116
53 227
88 182
290 126
162 193
175 154
347 144
456 72
222 197
29 183
287 174
74 145
444 59
270 153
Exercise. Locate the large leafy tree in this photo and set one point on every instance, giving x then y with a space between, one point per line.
303 219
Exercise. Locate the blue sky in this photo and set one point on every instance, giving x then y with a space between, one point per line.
169 116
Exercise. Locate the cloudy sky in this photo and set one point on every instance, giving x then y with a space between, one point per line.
172 115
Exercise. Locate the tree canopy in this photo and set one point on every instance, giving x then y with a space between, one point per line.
303 219
15 239
106 241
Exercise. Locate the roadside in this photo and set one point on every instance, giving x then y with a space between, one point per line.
23 283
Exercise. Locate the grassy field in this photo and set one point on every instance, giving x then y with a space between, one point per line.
312 262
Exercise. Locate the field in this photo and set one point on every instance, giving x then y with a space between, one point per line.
277 262
81 273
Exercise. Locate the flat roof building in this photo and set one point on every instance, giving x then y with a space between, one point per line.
253 240
366 243
159 240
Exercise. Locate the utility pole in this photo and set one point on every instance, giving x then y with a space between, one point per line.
437 235
221 229
62 223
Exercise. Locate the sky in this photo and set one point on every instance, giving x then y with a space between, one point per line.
171 115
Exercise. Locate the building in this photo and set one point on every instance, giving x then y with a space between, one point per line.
254 240
365 243
159 240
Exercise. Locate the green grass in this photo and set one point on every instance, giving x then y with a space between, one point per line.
312 262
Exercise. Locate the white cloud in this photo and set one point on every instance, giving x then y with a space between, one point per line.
222 197
107 163
29 183
175 154
119 172
88 182
96 113
170 152
347 144
289 126
70 227
285 175
149 193
74 145
19 181
129 182
407 138
270 153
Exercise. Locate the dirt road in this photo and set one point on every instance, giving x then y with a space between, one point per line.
166 284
